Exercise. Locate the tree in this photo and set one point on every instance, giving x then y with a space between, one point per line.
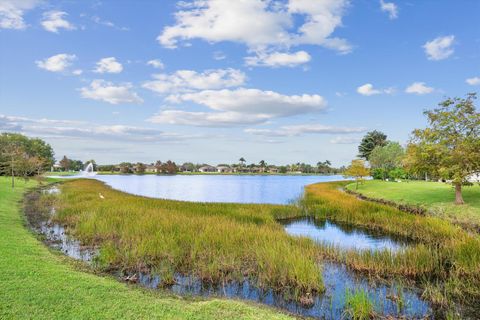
65 163
140 168
358 170
262 164
242 161
125 167
369 142
169 167
450 146
386 158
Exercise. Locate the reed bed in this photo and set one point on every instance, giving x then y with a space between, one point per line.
212 241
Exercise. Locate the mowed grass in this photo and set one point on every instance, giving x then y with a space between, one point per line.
38 284
215 242
438 198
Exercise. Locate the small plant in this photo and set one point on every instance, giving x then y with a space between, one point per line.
358 305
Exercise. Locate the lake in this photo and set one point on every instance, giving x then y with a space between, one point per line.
274 189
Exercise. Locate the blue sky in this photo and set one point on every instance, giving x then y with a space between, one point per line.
212 81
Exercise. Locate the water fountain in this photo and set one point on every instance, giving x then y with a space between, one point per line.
88 171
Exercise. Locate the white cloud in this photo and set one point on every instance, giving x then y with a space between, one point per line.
419 88
106 91
389 7
156 63
346 140
54 20
77 72
56 63
254 101
188 80
439 48
12 11
369 90
108 65
107 23
68 129
206 119
278 59
475 81
301 129
259 24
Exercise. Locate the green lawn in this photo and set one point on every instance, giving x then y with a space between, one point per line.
36 283
437 197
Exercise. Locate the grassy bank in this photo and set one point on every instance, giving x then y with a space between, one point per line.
437 198
38 284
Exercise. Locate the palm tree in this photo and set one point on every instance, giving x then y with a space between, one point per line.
263 164
242 161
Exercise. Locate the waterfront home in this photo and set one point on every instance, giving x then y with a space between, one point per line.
474 177
207 168
224 169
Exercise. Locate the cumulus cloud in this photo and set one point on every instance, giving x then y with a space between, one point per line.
278 59
108 65
301 129
188 80
102 90
206 119
259 24
254 101
419 88
156 63
390 8
475 81
54 20
49 128
12 11
56 63
369 90
439 48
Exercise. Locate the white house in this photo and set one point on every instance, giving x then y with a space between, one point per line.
474 177
207 168
224 169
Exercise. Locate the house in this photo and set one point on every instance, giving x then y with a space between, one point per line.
273 170
150 168
207 168
224 169
474 177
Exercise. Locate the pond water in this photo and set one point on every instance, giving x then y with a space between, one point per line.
275 189
341 235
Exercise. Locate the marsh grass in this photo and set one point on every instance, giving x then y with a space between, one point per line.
212 241
358 305
443 253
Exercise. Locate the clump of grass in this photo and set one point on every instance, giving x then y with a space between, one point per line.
358 305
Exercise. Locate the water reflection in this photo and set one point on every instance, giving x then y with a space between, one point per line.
341 235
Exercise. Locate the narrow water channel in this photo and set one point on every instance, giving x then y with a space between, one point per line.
343 236
389 299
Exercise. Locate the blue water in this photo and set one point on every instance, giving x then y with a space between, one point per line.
216 188
342 236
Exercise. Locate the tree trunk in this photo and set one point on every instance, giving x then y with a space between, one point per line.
458 194
356 187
